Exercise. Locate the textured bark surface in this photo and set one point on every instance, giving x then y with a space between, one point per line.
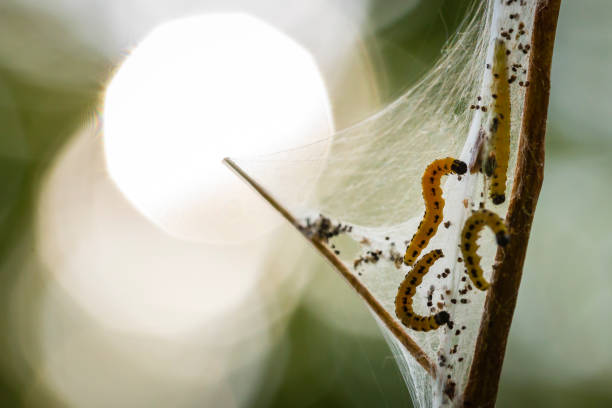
483 381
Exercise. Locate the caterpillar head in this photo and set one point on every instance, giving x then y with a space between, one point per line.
459 167
502 238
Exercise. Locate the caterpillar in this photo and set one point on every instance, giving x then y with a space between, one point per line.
470 234
407 289
496 164
434 204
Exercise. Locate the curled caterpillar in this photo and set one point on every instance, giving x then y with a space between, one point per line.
407 289
434 204
496 163
469 246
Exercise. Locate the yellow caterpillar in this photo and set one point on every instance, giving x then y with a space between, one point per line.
496 164
470 234
434 204
405 292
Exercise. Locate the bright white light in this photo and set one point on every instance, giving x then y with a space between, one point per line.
125 272
197 90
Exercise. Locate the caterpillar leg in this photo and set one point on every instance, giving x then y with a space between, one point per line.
406 291
434 204
470 234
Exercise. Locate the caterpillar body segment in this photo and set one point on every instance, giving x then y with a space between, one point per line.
469 245
434 204
406 291
496 162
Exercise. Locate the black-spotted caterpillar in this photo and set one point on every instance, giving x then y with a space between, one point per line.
434 204
469 246
496 162
403 300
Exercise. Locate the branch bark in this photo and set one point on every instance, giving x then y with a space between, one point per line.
483 380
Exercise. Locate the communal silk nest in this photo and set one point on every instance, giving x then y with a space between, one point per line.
359 194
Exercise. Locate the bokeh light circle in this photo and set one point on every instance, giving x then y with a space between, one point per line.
197 90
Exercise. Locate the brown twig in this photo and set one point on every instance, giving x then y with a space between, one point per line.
387 319
483 380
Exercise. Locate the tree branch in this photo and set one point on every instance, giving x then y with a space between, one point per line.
388 320
483 381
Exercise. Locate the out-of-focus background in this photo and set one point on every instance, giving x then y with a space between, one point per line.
126 280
